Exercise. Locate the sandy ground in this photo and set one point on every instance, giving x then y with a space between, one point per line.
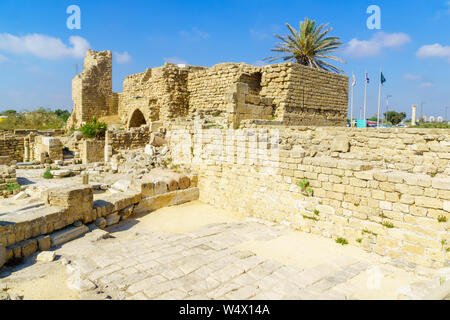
48 281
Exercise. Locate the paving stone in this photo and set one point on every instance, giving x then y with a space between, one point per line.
243 293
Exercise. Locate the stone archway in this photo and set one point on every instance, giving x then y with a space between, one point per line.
137 119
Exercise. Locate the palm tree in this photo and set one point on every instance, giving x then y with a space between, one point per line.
308 46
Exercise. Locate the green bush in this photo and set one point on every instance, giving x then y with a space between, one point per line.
47 175
94 129
11 187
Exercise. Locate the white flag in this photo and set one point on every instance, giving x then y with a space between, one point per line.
353 80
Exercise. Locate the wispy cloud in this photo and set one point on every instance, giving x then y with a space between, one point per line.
174 60
3 58
410 76
43 46
122 57
374 46
434 51
427 84
194 34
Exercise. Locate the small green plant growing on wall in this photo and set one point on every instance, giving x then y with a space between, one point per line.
94 129
310 218
342 241
47 175
442 219
443 243
317 212
306 189
388 225
369 232
359 240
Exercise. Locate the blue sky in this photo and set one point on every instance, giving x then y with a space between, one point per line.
412 47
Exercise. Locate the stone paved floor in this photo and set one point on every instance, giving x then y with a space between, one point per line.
204 263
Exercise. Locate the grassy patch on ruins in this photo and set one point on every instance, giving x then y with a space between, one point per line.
47 175
310 218
442 219
388 225
40 119
342 241
304 185
11 187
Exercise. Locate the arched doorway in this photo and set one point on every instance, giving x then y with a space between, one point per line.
137 119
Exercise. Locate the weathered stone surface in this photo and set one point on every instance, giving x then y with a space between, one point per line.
112 219
121 185
340 144
67 234
21 195
2 255
46 256
44 243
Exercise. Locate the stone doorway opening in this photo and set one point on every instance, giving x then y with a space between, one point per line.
137 119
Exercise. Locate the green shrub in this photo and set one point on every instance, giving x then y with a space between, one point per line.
47 175
11 187
94 129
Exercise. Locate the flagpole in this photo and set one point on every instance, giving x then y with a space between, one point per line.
379 99
351 109
365 99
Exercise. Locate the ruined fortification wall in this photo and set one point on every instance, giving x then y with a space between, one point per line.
127 140
158 93
92 89
368 187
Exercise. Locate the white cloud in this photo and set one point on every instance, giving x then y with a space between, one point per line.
374 46
3 58
175 60
258 34
433 51
194 34
409 76
122 57
427 84
43 46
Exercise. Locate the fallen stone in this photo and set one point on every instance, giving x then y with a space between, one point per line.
101 223
121 185
157 141
46 256
67 234
112 219
164 150
149 150
61 173
21 195
126 212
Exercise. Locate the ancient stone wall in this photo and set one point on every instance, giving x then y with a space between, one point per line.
127 140
7 176
12 147
158 93
92 151
43 149
287 92
387 191
92 89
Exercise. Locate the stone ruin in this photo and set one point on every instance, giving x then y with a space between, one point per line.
286 93
268 142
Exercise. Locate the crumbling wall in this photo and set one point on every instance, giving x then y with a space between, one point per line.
12 147
43 149
127 140
387 191
92 89
158 94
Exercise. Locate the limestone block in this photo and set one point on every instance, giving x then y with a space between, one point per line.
58 174
2 255
67 234
121 185
44 243
46 256
157 141
149 150
29 247
160 186
112 219
21 195
340 144
100 223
